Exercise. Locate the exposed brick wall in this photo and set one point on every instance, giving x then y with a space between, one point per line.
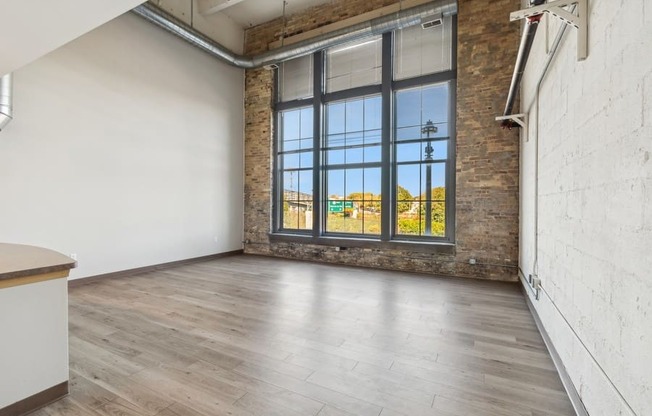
487 157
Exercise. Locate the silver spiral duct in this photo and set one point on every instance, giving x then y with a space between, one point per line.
398 20
6 106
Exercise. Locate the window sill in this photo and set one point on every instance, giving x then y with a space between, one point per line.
414 246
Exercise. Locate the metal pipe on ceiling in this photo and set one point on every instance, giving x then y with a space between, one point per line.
6 100
527 40
398 20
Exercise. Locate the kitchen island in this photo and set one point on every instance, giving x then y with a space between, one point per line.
33 327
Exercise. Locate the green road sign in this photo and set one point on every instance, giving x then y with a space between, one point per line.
338 206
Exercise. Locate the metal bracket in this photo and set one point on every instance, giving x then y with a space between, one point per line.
520 119
555 8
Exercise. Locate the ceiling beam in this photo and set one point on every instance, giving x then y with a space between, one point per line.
207 7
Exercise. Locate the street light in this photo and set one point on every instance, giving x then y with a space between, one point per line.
429 129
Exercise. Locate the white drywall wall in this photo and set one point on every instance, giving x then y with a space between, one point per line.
34 334
595 204
126 148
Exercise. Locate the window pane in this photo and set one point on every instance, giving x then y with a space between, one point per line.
409 152
408 133
354 65
440 149
296 79
305 159
419 51
345 200
290 184
414 152
354 155
297 199
290 125
370 209
372 113
437 180
291 161
355 139
306 129
353 185
335 140
354 115
296 129
335 184
372 154
297 215
289 145
408 178
306 144
372 136
415 107
408 107
415 204
335 118
305 185
372 178
335 157
435 103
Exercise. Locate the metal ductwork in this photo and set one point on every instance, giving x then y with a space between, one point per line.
527 39
6 105
398 20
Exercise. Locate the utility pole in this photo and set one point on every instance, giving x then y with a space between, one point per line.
428 129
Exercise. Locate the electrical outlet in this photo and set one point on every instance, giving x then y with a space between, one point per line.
73 256
472 261
536 282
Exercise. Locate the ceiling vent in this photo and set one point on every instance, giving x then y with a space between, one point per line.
432 23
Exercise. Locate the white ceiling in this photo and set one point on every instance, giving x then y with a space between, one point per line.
248 13
225 20
30 29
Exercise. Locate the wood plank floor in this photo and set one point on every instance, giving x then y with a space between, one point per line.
250 335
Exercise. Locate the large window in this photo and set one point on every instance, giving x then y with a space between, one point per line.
365 139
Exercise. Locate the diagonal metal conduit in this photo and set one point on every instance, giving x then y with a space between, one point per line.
524 49
398 20
6 106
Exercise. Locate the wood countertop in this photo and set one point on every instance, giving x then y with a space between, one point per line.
17 260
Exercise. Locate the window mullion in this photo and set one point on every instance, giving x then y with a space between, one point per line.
277 185
317 181
386 188
451 181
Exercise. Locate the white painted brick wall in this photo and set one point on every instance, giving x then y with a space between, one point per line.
595 204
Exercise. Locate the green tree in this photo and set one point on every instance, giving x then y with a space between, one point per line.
404 197
367 200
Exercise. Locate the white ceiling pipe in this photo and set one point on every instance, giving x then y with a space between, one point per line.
398 20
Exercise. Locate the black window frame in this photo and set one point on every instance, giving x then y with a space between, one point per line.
387 89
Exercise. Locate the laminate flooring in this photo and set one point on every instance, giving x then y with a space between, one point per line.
249 335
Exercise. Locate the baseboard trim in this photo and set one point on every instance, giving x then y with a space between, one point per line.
124 273
573 395
36 401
